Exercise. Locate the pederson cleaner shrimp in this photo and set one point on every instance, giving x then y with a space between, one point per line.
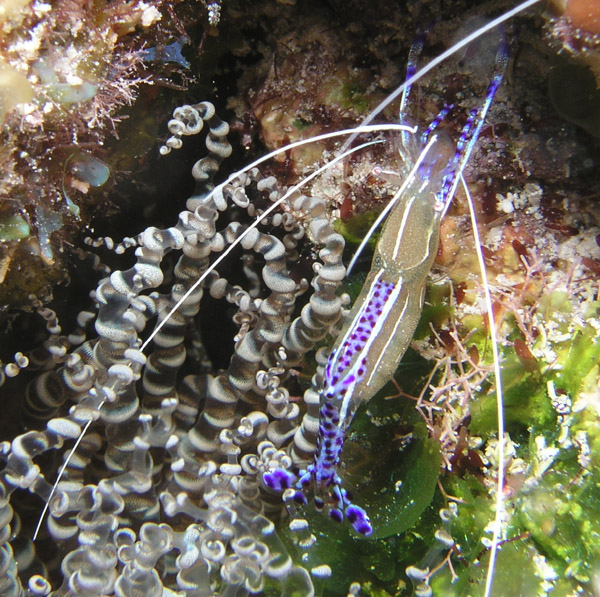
384 317
382 322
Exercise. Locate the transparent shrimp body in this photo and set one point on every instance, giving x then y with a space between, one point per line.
384 317
381 324
379 328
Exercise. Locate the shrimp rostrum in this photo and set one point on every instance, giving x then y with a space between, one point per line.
383 319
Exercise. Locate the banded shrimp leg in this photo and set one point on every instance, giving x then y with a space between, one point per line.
382 322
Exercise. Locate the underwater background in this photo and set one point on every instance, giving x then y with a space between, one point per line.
106 219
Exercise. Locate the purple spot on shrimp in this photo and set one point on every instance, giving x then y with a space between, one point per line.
300 498
359 519
363 527
279 479
336 515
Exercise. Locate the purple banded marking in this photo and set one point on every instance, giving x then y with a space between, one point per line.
338 501
341 362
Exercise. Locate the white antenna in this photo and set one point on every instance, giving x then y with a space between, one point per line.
237 241
498 520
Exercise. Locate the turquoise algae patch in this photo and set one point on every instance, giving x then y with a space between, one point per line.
13 227
88 168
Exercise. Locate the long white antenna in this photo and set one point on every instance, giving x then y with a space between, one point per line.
60 473
499 516
354 131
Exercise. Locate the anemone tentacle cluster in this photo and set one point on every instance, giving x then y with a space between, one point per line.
164 489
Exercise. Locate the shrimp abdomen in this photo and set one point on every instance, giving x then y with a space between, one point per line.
387 311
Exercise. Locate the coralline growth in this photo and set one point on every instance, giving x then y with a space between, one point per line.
69 72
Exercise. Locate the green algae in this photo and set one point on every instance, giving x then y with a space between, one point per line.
553 494
397 505
355 229
353 96
526 402
13 227
515 575
557 513
577 359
